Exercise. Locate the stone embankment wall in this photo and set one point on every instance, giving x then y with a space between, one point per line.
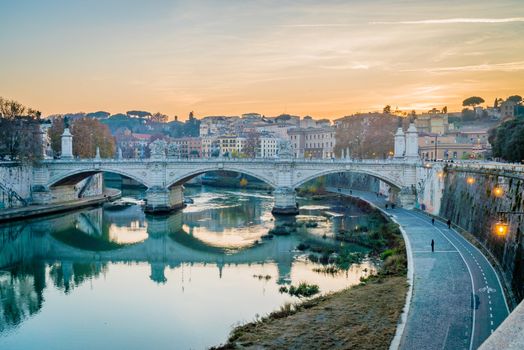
473 206
16 181
14 178
430 188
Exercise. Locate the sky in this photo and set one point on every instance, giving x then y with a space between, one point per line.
321 58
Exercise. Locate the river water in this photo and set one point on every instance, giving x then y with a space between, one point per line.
99 278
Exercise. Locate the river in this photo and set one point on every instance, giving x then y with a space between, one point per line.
99 278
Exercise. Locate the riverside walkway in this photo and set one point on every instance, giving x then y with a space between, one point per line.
29 211
456 300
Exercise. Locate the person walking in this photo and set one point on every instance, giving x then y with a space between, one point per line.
386 207
433 221
432 246
449 224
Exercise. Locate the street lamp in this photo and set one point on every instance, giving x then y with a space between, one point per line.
470 180
498 191
501 227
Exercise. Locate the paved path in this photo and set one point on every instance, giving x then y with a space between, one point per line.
23 213
457 299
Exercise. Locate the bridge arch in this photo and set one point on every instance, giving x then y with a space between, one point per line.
72 177
395 183
183 178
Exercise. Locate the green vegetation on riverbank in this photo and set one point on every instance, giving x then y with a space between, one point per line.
303 290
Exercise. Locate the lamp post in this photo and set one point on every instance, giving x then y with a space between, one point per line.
501 227
436 146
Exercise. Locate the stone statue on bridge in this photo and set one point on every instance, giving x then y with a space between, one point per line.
285 149
158 149
173 150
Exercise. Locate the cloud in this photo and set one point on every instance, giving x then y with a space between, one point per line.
455 21
353 66
316 25
486 67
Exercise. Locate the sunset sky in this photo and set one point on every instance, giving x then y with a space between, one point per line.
320 58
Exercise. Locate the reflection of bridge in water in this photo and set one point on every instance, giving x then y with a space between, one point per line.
166 245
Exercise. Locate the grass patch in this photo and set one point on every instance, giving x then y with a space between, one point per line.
362 317
303 290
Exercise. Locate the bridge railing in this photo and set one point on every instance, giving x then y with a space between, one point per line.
488 165
232 160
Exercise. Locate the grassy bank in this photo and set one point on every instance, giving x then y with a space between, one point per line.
361 317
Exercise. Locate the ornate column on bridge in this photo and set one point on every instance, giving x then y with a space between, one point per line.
400 143
412 143
285 197
67 142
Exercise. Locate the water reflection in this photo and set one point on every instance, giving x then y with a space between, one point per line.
194 268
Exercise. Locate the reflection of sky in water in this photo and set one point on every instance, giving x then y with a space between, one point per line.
148 294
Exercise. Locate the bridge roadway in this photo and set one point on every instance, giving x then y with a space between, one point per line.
457 299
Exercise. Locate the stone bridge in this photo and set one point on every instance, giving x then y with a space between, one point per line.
55 179
164 172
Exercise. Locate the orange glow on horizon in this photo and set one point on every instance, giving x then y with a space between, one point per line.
325 59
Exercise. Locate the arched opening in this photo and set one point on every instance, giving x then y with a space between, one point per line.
357 175
225 178
329 181
88 184
77 176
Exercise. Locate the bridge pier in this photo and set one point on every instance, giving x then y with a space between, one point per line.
407 198
285 201
164 200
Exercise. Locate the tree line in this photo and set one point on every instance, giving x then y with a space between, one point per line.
20 137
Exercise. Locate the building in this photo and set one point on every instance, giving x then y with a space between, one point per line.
455 146
217 125
208 145
309 122
267 146
433 122
507 109
277 130
493 113
231 145
133 145
316 143
189 147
